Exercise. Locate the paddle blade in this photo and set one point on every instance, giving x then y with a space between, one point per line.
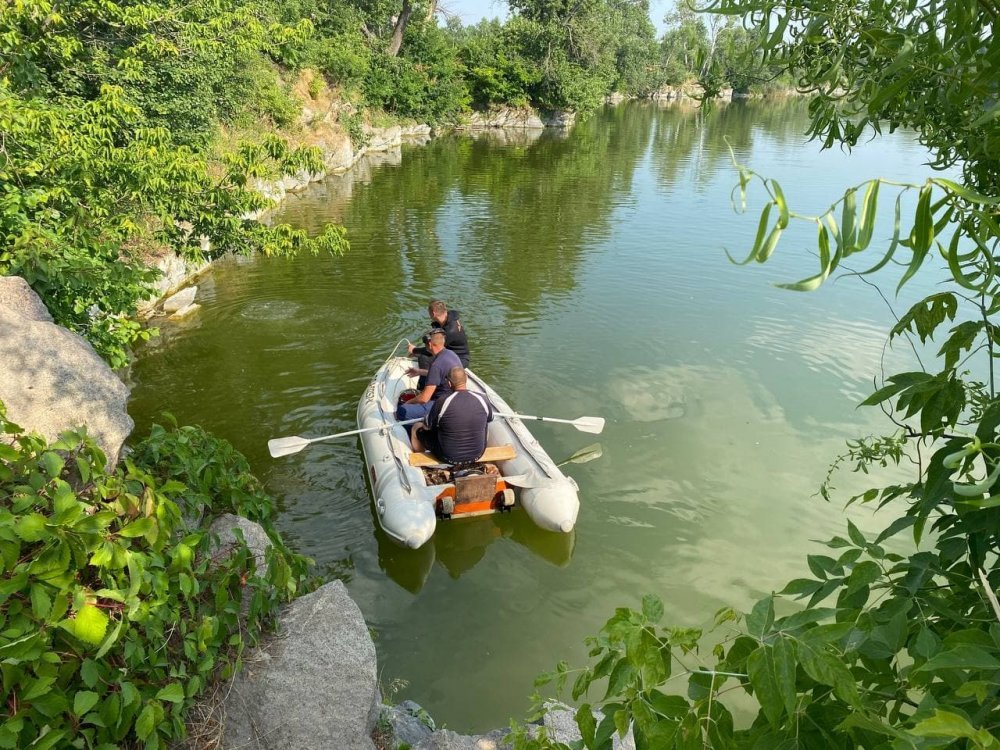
286 446
584 455
593 425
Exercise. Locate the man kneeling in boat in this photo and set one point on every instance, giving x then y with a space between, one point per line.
437 386
455 429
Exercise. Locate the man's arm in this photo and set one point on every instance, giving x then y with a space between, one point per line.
424 396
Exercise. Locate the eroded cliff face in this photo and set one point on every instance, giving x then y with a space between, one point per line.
51 379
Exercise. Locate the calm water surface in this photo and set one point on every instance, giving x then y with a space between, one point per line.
590 273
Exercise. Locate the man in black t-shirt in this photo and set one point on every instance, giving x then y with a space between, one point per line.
454 335
455 428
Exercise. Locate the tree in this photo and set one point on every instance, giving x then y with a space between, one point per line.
892 650
684 44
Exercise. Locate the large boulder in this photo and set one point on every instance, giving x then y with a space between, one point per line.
445 739
52 380
313 685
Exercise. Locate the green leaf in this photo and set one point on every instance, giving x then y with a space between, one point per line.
587 723
864 573
761 618
41 602
944 723
30 527
83 701
772 674
855 534
652 608
174 693
53 463
827 669
89 672
961 657
139 527
145 725
89 625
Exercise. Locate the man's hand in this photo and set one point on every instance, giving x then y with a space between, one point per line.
409 348
413 372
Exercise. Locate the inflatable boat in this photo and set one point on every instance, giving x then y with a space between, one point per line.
412 491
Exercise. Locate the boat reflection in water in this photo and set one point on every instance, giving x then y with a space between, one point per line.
458 545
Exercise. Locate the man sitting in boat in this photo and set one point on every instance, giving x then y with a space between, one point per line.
454 336
442 362
455 428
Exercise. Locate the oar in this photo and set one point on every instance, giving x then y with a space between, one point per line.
528 481
584 424
584 455
288 445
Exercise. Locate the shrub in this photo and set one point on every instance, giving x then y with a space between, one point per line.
113 614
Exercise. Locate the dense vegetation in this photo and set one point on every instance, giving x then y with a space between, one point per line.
121 120
898 642
113 611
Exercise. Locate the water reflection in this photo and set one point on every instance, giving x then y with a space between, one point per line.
693 143
459 545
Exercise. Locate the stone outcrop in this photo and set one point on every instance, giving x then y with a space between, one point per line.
310 687
51 379
530 119
445 739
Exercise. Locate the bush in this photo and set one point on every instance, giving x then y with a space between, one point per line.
113 614
495 68
424 83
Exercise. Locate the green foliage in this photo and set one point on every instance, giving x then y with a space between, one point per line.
891 649
424 83
498 71
105 108
114 615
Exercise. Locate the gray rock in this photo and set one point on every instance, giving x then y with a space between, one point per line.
311 687
445 739
253 534
180 300
17 296
408 722
52 380
561 725
186 311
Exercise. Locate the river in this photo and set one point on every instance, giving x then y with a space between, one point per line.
591 275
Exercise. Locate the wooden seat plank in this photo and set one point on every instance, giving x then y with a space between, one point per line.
493 454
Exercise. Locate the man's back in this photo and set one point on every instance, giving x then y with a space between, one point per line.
459 421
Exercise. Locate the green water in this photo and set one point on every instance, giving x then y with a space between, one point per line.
590 273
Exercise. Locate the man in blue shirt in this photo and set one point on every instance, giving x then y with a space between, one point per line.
455 429
442 362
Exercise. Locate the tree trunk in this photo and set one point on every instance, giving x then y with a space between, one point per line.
431 10
397 33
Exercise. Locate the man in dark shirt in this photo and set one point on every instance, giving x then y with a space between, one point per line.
436 385
454 335
455 429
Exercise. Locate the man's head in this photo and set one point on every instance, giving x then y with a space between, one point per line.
457 378
435 342
438 311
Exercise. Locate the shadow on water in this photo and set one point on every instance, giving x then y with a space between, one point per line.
459 545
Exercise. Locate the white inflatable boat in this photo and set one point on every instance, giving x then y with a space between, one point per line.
407 506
